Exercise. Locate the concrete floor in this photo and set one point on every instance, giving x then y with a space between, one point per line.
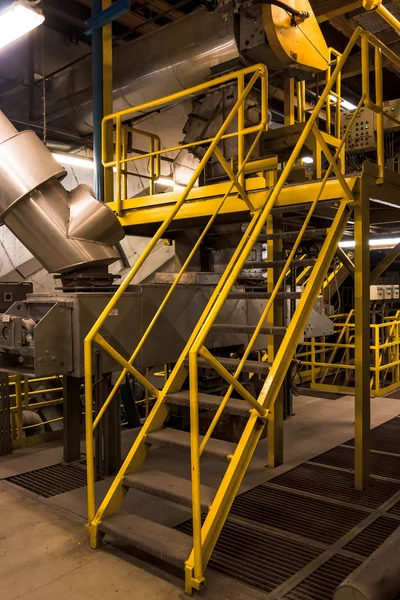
44 550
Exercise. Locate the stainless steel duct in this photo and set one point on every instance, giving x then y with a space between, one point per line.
178 56
65 231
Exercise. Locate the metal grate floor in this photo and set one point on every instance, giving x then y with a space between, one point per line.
321 584
310 517
373 536
385 465
385 437
260 561
337 484
51 481
300 534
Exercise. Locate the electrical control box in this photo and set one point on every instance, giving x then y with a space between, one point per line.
362 134
376 292
388 292
395 292
392 108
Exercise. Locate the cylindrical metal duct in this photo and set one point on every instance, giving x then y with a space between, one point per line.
175 57
65 231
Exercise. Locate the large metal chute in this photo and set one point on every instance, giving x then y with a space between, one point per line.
65 231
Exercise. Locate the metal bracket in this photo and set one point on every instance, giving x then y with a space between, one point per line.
107 16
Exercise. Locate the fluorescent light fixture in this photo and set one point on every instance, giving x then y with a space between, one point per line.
344 103
384 242
165 181
17 19
307 160
75 161
348 105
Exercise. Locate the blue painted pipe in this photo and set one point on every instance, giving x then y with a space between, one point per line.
97 91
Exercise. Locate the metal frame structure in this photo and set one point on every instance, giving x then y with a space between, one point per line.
256 198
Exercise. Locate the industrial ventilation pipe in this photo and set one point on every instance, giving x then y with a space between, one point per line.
65 231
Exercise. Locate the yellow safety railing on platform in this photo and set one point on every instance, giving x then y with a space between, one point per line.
339 358
21 397
205 535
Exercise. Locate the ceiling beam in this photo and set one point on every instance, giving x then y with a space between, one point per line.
335 9
131 20
161 6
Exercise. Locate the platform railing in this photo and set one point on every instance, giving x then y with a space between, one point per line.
339 363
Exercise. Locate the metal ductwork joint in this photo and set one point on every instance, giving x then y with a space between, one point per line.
65 231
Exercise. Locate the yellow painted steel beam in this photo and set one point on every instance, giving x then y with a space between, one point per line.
362 337
275 318
346 260
385 263
202 202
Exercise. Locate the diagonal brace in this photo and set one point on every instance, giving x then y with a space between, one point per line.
231 379
385 263
233 177
124 363
333 163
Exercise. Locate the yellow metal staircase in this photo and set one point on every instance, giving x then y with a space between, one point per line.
168 544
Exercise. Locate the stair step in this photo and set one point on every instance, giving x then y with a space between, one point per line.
165 543
180 440
268 264
289 208
169 487
263 295
234 406
309 234
249 329
250 366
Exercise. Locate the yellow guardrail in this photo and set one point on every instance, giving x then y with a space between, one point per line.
339 358
20 401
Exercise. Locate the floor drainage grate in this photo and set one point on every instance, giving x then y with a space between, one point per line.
395 510
366 542
321 584
385 437
254 557
385 465
330 483
51 481
316 519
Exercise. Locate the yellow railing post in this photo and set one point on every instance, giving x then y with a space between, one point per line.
195 462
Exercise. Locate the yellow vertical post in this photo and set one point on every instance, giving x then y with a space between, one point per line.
108 103
195 464
18 401
377 359
300 99
240 87
288 101
152 170
275 318
362 337
380 132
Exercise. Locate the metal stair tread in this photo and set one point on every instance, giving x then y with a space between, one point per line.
250 366
249 329
165 543
175 438
168 487
268 264
309 234
263 295
234 406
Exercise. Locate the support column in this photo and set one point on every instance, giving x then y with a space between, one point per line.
72 417
275 318
97 78
289 101
108 101
362 338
